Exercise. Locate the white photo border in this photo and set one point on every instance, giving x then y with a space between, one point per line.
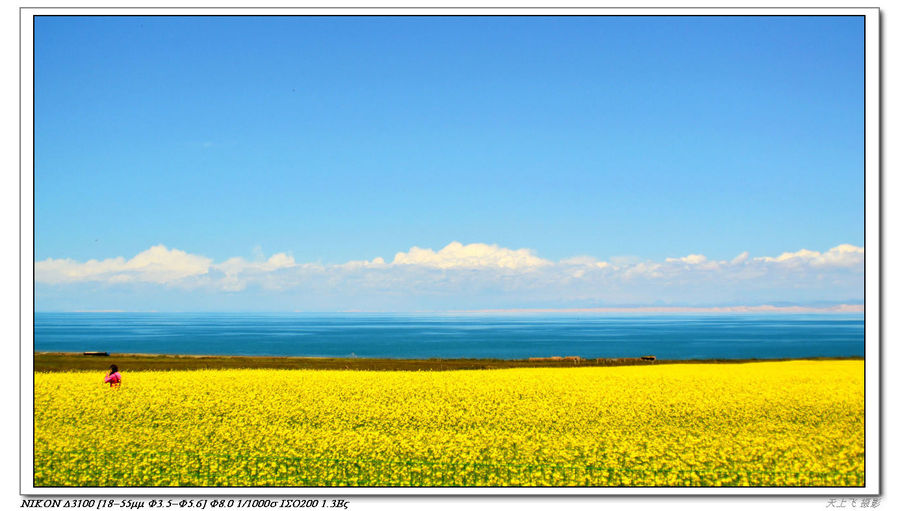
873 304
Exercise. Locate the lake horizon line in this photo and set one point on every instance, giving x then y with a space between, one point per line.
843 308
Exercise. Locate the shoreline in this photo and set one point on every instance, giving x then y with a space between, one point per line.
77 361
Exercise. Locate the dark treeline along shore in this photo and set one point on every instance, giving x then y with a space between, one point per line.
57 362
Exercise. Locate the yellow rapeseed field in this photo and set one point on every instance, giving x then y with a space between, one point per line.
758 424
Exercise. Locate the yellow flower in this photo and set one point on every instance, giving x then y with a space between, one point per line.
795 423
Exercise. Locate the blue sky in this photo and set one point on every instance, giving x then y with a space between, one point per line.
326 140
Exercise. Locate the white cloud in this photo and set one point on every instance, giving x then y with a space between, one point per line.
474 255
378 262
743 256
479 269
237 265
798 256
644 269
580 266
689 259
584 261
237 269
624 260
157 264
844 255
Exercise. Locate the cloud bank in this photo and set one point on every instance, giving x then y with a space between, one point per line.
845 255
475 255
462 275
157 264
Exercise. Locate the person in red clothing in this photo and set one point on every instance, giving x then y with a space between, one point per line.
113 378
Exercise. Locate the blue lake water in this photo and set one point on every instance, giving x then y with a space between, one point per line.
448 336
